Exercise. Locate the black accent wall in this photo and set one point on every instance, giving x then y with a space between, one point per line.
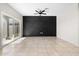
39 26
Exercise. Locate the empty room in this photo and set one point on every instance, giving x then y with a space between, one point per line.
39 29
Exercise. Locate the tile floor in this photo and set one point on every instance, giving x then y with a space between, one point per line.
40 46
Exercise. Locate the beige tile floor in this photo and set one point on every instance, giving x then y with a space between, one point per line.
40 46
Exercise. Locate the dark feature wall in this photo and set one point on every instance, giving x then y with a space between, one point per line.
39 26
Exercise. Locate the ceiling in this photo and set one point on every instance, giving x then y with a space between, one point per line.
29 8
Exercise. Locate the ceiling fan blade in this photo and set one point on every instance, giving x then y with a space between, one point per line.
43 10
37 11
44 13
46 8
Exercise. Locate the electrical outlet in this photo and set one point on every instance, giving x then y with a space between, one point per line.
41 32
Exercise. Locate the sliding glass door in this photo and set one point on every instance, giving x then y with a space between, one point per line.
10 29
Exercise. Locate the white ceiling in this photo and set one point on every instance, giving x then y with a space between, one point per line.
29 8
26 9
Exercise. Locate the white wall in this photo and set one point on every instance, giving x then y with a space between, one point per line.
78 21
68 23
4 7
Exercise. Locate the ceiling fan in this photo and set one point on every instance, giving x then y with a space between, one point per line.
41 12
